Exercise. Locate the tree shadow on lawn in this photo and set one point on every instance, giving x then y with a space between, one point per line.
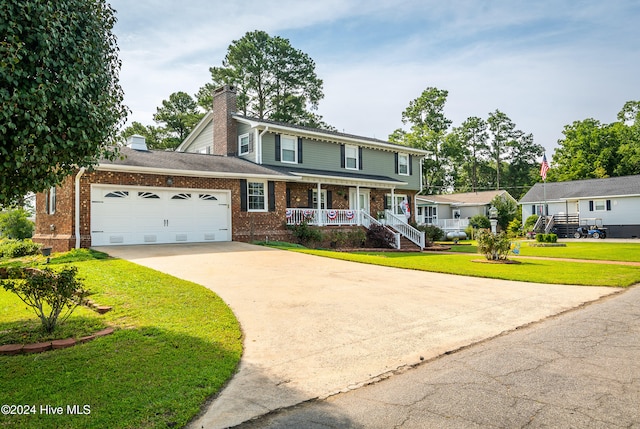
144 377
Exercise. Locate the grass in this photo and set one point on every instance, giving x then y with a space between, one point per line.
176 344
528 270
588 249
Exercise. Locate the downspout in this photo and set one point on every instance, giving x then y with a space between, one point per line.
78 176
259 149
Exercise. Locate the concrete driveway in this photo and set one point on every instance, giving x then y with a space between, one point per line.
316 326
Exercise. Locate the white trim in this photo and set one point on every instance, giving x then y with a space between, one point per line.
77 207
370 183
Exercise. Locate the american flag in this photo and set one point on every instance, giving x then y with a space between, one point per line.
544 167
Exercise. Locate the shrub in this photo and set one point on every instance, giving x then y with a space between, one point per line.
18 248
379 236
514 229
431 232
480 222
494 246
15 224
530 223
541 238
356 237
51 294
306 234
551 238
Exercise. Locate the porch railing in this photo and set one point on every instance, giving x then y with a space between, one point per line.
322 217
400 225
450 224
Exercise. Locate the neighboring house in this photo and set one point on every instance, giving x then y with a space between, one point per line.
233 178
451 212
614 201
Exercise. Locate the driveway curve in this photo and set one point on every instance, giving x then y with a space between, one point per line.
315 326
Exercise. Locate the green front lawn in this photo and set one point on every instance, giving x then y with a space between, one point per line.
528 270
587 249
176 344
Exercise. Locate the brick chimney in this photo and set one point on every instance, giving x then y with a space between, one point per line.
225 129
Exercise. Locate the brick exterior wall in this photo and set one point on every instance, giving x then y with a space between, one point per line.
225 129
246 226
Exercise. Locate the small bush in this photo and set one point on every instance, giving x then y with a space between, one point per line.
530 223
356 237
480 222
306 235
381 237
431 232
514 229
15 224
494 246
53 295
18 248
551 238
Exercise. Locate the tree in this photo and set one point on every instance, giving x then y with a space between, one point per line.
14 224
474 137
153 135
502 130
60 100
179 115
273 80
507 210
591 149
523 168
428 130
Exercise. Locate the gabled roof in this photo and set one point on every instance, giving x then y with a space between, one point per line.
580 189
189 164
464 198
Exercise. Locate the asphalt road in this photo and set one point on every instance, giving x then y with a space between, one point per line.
580 369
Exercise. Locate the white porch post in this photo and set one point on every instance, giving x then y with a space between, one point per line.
319 205
393 201
358 204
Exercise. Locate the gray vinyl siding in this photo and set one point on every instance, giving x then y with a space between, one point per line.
326 156
204 139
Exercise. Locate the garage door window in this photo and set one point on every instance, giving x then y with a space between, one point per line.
148 195
181 197
208 197
117 194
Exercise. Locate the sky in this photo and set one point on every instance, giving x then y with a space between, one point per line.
544 63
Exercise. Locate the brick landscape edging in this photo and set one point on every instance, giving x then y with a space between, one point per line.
15 349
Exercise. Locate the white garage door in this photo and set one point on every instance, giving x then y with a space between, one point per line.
134 215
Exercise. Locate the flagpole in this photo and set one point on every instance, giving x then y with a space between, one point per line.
544 167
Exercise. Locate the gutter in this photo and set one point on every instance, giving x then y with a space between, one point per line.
77 219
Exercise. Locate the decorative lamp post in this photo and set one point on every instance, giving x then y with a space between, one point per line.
493 217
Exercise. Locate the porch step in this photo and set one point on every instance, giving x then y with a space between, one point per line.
408 245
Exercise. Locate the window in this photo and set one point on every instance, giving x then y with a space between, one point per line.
403 164
117 194
256 196
181 197
323 199
148 195
207 197
51 201
243 144
289 149
600 205
351 157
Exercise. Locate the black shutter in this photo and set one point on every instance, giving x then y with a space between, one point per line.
533 210
590 206
410 165
341 156
386 202
271 185
299 150
329 202
310 198
396 161
277 147
359 158
288 197
609 205
243 195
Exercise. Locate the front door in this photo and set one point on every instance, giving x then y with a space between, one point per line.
362 200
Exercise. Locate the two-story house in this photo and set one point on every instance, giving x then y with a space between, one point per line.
233 178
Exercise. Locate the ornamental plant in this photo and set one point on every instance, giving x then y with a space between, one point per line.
495 247
53 295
